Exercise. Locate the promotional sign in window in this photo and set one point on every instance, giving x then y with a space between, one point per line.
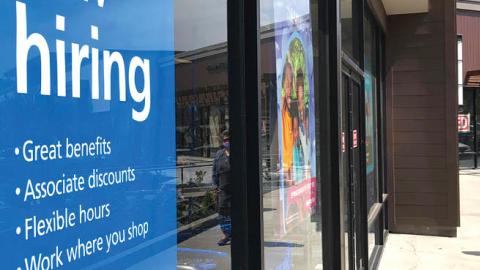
464 123
370 139
292 216
87 154
296 113
355 138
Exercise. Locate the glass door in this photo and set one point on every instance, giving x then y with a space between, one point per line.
351 151
467 147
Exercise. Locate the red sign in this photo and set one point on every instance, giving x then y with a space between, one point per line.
463 123
355 139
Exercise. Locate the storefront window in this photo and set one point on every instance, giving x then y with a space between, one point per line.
466 129
374 129
348 32
291 214
371 112
115 143
372 236
345 176
202 135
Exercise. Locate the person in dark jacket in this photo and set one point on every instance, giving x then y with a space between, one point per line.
221 178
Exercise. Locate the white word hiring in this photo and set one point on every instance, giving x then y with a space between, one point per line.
80 54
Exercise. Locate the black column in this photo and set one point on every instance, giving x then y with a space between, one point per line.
328 149
243 52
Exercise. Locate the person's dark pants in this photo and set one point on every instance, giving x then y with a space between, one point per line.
226 225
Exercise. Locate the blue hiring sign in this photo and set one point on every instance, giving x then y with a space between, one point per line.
87 118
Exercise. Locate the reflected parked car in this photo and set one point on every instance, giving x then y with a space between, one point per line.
463 148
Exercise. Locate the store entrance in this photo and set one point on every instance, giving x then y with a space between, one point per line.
468 129
351 151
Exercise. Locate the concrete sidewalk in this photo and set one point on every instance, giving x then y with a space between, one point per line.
428 252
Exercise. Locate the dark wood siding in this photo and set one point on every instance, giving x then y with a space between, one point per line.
421 127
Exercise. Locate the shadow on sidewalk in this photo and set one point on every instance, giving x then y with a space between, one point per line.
473 253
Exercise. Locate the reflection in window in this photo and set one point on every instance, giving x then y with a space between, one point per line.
372 236
466 136
202 138
371 112
346 13
292 225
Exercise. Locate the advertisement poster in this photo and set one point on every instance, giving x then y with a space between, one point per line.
87 118
369 123
296 113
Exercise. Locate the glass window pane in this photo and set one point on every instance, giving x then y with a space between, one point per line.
345 177
346 13
202 138
133 96
373 231
292 225
474 123
466 134
371 141
370 45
